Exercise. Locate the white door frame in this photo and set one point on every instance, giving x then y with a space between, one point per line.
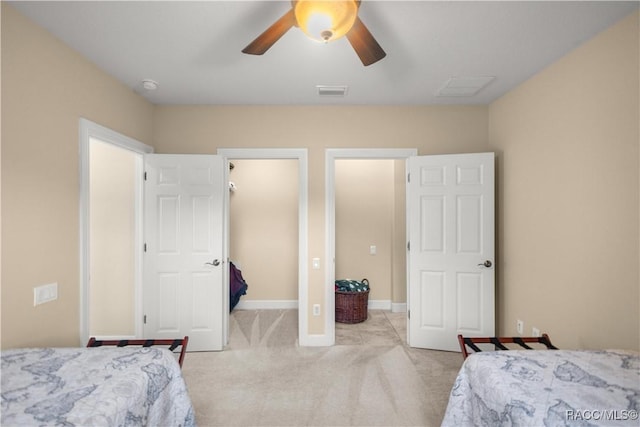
304 339
88 130
331 154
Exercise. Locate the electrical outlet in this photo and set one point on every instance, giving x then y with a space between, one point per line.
45 293
373 250
535 332
316 309
520 327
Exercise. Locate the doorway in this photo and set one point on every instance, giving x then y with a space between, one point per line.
294 160
111 166
332 157
366 230
263 218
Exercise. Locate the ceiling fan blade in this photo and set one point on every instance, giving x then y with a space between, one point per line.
364 44
271 35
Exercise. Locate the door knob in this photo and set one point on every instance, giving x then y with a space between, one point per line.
215 263
487 264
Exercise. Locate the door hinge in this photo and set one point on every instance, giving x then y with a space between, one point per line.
408 246
408 314
409 178
145 175
144 319
144 248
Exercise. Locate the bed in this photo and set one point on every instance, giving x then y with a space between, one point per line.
102 386
546 388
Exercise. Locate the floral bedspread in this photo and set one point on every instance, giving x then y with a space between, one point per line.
546 388
101 386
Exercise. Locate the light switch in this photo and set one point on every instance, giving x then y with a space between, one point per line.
315 263
373 250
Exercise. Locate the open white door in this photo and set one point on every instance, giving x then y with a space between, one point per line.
185 259
450 210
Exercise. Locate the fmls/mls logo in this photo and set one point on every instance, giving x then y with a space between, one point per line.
602 415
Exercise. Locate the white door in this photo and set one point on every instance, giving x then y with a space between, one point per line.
450 209
185 259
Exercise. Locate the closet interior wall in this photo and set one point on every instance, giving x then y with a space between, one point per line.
263 229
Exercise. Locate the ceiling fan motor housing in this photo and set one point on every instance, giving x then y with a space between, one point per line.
325 20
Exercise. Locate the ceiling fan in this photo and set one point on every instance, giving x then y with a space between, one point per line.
325 21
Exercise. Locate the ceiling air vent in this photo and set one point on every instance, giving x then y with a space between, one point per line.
464 86
332 91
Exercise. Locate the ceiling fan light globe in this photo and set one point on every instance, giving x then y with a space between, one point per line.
317 19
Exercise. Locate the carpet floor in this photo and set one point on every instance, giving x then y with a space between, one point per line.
369 378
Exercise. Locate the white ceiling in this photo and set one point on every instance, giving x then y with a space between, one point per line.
193 49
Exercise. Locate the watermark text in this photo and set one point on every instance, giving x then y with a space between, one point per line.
602 414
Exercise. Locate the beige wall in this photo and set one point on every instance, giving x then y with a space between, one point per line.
432 130
263 227
568 184
568 196
364 200
46 88
112 230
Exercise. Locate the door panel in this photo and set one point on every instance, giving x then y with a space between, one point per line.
183 285
451 234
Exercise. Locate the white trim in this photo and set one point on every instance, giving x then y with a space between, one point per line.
257 304
398 307
87 130
379 304
331 154
315 340
304 338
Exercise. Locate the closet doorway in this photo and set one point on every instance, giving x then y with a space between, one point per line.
369 226
111 166
267 230
384 263
263 232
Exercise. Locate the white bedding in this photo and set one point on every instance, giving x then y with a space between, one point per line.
101 386
546 388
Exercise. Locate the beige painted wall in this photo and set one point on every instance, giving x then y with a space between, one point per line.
263 227
399 261
46 88
568 195
112 230
364 200
567 143
432 130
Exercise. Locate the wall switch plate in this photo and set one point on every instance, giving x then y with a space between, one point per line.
45 293
520 327
316 309
535 332
315 263
373 250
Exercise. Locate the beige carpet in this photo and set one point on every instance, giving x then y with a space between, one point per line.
369 378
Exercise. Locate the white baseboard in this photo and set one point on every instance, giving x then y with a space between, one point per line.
399 307
379 304
254 304
375 304
315 341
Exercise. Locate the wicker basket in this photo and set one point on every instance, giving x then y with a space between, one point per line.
351 307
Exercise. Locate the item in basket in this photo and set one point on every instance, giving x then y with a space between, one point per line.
348 285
